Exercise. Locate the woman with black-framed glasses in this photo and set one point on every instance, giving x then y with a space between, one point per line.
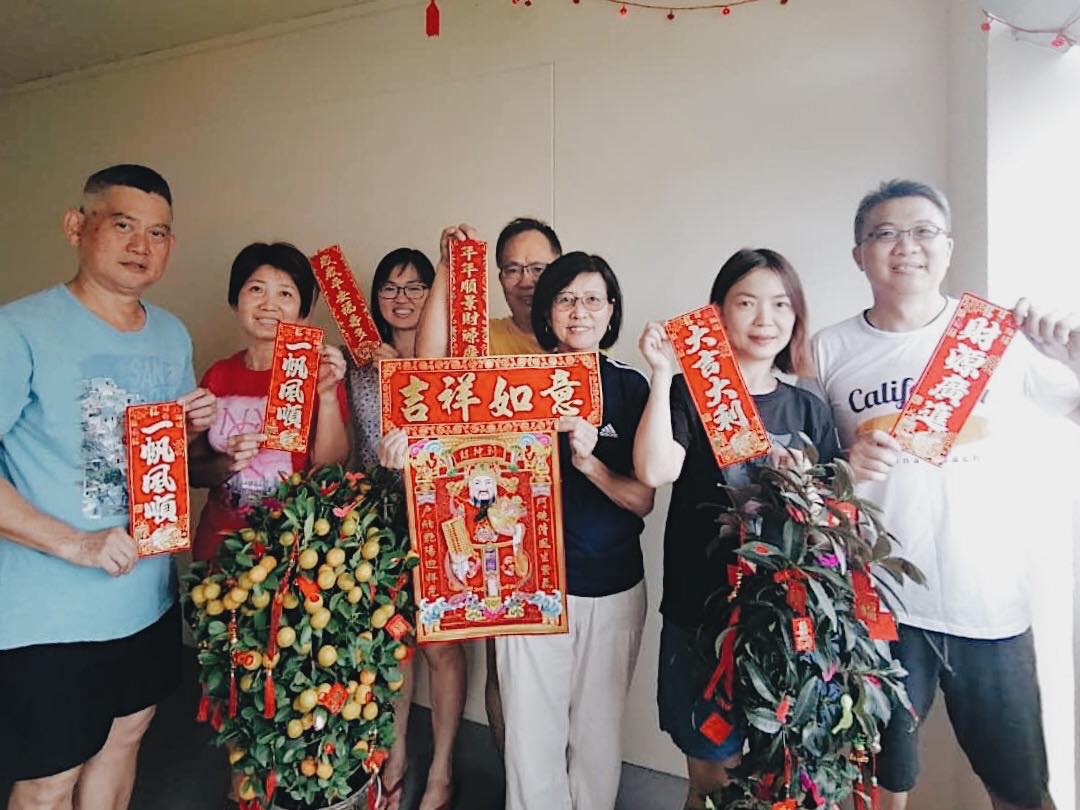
399 289
564 695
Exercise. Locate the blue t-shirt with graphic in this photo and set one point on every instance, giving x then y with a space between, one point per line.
68 375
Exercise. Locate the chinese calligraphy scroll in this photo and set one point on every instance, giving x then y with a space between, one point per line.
158 478
485 518
954 379
468 298
720 396
488 395
293 377
346 303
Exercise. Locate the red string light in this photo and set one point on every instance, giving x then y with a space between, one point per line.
1061 35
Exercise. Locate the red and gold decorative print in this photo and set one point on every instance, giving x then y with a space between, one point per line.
468 298
347 304
454 396
880 623
954 379
159 509
293 378
725 406
485 517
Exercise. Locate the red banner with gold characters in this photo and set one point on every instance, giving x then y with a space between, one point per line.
954 379
485 516
158 502
725 406
468 298
451 396
293 377
347 304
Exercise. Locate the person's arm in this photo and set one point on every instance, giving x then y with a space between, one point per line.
433 330
330 442
112 550
624 491
1055 334
658 458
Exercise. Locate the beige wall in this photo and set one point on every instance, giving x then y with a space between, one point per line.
663 146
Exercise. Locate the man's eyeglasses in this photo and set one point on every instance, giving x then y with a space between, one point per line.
565 302
516 271
920 233
414 292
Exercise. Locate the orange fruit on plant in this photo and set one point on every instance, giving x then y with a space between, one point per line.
294 729
364 571
326 579
257 574
322 527
247 790
308 559
286 538
335 557
370 550
307 700
346 582
215 607
290 600
325 770
350 711
394 686
268 562
320 618
327 655
370 710
286 636
312 605
260 599
354 595
401 652
235 755
211 589
308 766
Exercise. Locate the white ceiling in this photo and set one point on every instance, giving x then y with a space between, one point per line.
40 38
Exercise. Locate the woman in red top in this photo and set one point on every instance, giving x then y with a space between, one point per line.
267 284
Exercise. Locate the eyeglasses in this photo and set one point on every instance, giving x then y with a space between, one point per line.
565 302
414 292
516 271
920 233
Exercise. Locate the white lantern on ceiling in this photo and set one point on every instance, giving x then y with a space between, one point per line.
1053 23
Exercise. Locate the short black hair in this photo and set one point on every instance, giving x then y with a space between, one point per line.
893 190
523 225
399 257
558 276
131 175
282 256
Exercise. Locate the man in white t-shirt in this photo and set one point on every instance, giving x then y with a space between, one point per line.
968 630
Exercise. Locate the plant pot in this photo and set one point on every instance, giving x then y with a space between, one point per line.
357 801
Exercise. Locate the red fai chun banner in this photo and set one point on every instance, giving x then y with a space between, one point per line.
346 303
468 298
451 396
726 408
954 379
157 478
485 518
293 376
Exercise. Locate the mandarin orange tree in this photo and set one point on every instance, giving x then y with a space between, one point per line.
301 623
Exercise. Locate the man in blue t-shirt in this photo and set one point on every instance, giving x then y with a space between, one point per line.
89 633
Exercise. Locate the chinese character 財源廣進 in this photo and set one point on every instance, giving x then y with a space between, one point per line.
414 409
980 332
561 394
158 481
965 361
457 394
935 415
508 400
952 388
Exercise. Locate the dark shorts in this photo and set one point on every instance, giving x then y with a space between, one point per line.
61 699
681 679
992 697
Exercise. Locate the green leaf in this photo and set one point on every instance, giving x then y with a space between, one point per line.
757 678
824 603
763 720
806 703
216 628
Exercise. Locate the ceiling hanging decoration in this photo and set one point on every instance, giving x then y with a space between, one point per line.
1051 23
669 11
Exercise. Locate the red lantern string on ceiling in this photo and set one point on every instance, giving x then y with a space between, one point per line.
1061 38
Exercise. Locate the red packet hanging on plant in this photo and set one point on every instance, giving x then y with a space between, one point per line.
158 478
468 298
954 379
293 377
346 303
802 633
727 410
880 623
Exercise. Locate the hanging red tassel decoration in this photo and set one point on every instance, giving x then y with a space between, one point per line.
269 696
215 716
234 698
203 714
432 15
271 786
725 668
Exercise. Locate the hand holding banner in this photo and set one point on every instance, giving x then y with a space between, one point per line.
293 378
346 303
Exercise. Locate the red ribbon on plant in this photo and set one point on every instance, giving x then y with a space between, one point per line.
725 669
271 785
215 716
792 579
269 696
203 712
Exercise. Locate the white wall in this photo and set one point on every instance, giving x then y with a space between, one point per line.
663 146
